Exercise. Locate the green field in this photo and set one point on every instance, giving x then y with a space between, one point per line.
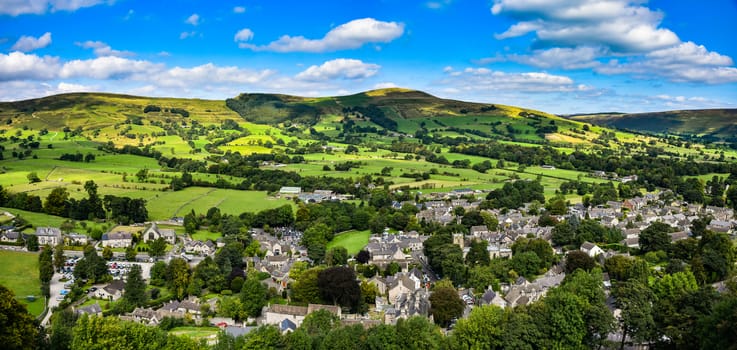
196 333
19 273
203 235
352 241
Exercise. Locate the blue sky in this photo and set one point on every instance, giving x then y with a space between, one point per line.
560 56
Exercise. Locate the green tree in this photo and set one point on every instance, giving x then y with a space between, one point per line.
33 177
417 333
319 323
179 277
264 337
336 256
18 329
579 260
477 253
32 243
45 269
655 237
315 239
191 223
130 253
635 300
483 329
135 288
107 253
157 248
232 307
253 296
305 289
57 202
59 256
445 305
717 255
62 322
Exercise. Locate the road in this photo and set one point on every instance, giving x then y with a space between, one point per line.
55 289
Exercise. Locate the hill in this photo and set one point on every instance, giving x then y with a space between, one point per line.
706 125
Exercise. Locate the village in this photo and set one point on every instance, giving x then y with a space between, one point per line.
403 294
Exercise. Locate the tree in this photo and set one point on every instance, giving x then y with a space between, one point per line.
32 243
107 253
336 256
655 237
619 267
45 269
445 305
232 307
62 322
416 333
135 288
253 296
579 260
59 256
635 300
191 224
477 253
17 327
305 289
320 323
179 277
717 254
339 286
363 256
33 177
483 329
130 253
57 202
315 239
157 247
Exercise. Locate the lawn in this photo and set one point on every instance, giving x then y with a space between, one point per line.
195 332
20 274
352 241
203 235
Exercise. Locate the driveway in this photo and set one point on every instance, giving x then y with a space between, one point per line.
56 287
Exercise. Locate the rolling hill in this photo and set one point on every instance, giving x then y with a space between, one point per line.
708 125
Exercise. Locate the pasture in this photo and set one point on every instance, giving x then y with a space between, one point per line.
19 273
352 241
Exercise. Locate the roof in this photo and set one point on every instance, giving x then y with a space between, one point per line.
289 310
89 309
48 231
287 189
117 285
287 324
238 331
116 235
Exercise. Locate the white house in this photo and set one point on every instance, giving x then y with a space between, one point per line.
117 240
591 249
48 235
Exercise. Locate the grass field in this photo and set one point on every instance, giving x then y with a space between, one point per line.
196 333
352 241
203 235
19 273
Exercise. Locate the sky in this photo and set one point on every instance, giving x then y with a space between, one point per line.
559 56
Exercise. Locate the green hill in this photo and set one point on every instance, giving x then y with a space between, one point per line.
704 125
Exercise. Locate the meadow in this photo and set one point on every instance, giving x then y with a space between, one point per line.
19 273
352 241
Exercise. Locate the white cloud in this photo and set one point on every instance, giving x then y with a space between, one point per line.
686 62
209 74
102 49
19 66
239 9
483 79
351 35
67 87
194 19
340 68
108 67
566 58
438 4
29 43
185 35
385 85
624 26
38 7
244 34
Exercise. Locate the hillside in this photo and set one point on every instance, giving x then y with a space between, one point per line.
707 125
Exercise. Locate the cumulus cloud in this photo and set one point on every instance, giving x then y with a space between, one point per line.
385 85
483 79
622 25
340 68
38 7
194 19
563 57
102 49
209 74
438 4
578 34
29 43
20 66
239 9
108 67
351 35
686 62
244 34
185 35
